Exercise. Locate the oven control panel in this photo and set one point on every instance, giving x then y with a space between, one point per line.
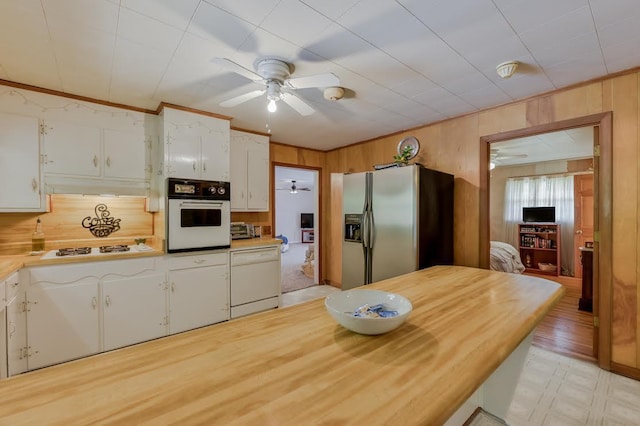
198 189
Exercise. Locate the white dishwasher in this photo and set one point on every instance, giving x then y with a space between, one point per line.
255 280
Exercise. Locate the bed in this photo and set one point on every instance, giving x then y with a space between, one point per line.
505 258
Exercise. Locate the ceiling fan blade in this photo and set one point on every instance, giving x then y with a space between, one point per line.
242 98
237 68
316 80
298 104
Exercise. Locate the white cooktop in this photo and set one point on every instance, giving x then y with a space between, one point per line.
95 251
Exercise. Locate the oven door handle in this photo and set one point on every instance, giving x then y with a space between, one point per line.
200 204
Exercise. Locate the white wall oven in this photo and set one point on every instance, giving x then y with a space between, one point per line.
198 215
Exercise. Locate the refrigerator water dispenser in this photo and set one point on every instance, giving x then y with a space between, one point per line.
352 227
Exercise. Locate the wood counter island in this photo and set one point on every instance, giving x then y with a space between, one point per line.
297 366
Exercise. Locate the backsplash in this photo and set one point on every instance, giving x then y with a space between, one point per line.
65 222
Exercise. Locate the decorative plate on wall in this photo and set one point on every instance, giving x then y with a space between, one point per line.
409 141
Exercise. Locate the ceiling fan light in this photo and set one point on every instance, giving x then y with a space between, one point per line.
272 107
506 69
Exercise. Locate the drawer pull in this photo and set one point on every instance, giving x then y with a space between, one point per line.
107 301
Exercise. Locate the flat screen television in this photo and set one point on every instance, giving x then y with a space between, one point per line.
306 220
538 214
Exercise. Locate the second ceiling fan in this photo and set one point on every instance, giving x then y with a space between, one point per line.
275 75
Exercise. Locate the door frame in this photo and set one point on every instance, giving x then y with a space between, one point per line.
318 221
603 223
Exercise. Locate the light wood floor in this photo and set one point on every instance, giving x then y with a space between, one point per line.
566 330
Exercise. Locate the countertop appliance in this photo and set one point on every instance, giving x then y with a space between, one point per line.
396 220
198 215
241 231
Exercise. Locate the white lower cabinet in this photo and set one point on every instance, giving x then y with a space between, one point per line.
198 290
62 322
71 311
134 310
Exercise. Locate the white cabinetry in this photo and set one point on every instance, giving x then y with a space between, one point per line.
199 290
249 172
81 309
20 164
90 159
255 280
62 321
16 326
196 146
134 310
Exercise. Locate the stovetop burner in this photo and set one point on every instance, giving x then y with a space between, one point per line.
114 249
73 251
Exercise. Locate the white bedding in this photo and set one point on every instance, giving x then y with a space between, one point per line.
505 257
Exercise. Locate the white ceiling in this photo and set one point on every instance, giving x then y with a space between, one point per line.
285 175
562 145
405 63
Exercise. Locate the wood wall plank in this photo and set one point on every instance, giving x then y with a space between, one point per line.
502 119
625 206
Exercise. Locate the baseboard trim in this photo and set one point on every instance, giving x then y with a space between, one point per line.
625 370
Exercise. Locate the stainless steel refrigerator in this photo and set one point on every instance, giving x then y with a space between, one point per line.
395 221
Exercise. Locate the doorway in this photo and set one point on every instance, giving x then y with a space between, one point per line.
296 218
602 193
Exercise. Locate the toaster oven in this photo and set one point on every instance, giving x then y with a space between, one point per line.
242 230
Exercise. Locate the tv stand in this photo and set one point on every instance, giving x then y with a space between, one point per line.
308 236
540 247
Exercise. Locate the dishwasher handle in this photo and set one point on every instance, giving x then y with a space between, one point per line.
251 257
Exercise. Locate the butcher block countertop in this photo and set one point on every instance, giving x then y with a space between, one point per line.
297 366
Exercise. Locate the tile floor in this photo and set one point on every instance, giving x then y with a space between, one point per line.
553 390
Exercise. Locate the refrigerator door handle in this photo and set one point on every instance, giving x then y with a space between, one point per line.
371 230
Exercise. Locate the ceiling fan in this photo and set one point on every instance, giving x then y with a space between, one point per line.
294 188
496 157
275 75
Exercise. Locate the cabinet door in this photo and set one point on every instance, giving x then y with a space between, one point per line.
62 322
238 160
198 297
184 156
215 157
258 176
125 155
71 149
16 335
19 163
134 310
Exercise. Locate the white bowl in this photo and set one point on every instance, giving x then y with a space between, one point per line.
342 305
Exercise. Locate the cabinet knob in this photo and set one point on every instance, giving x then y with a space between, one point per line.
579 231
95 161
94 302
108 161
194 166
34 184
107 301
204 167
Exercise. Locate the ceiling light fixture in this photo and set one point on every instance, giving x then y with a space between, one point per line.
273 94
506 69
492 165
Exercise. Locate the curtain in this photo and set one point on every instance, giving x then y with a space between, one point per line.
542 191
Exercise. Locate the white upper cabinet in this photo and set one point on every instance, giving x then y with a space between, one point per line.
20 164
196 146
249 172
125 155
90 159
70 149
